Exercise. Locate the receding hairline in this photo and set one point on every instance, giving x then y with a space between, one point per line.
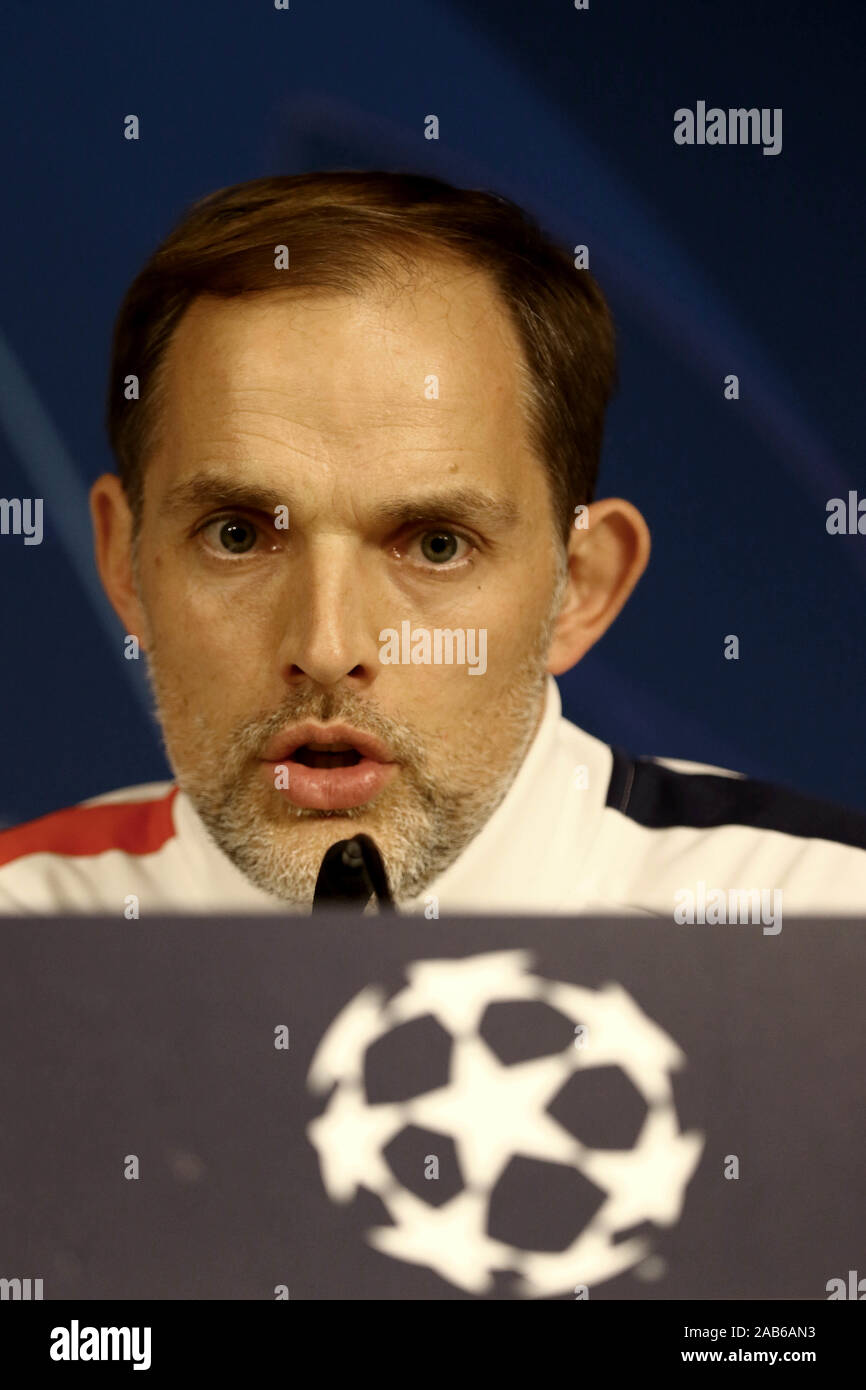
421 270
347 229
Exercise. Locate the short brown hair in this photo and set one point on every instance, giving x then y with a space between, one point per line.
343 230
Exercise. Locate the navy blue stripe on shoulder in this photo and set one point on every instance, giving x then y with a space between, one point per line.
661 797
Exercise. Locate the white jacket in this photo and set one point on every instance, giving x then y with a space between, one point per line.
583 828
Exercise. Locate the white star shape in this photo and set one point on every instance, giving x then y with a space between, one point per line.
349 1138
451 1239
494 1111
647 1183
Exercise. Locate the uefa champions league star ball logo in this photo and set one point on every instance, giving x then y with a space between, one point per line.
495 1113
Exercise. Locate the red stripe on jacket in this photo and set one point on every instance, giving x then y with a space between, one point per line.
136 827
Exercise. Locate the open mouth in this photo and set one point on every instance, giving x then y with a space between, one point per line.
333 756
330 774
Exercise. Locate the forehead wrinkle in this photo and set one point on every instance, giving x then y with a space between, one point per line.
325 452
417 434
292 414
469 387
288 393
399 398
234 438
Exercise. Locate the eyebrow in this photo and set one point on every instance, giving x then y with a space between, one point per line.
472 505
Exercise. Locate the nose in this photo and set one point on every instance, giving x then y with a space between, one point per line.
330 634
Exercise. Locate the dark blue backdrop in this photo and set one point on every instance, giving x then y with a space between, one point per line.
715 260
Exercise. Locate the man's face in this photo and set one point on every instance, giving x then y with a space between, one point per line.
402 506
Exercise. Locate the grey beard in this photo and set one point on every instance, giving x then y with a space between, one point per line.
420 833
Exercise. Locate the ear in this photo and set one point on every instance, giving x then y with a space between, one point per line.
606 558
113 550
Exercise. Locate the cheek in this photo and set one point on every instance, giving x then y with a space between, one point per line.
204 656
515 622
207 623
502 656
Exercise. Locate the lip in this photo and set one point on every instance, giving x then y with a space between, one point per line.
330 789
287 742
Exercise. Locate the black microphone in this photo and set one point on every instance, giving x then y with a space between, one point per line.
351 872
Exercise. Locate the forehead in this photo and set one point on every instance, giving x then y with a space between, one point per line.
434 362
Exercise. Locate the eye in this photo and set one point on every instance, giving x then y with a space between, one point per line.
439 547
232 535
